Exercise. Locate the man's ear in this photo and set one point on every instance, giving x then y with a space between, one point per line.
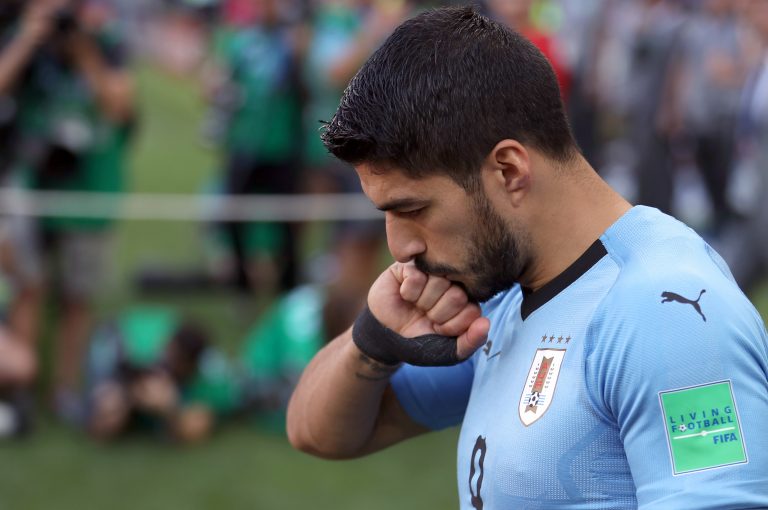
510 163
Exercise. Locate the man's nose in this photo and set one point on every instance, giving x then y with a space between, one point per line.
403 241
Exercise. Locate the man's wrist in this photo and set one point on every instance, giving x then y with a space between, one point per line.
369 369
389 348
374 339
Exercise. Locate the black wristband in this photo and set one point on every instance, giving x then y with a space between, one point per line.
380 343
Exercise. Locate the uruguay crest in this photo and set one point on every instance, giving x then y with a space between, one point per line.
540 384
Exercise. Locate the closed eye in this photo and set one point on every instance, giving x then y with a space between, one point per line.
409 213
405 208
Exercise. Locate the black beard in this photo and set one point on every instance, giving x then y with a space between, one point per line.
495 257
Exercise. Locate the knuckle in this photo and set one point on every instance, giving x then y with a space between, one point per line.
415 276
446 331
455 296
442 283
473 312
434 288
409 293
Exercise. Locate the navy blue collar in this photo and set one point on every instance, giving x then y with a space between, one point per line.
532 301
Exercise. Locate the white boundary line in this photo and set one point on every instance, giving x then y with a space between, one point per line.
704 434
181 207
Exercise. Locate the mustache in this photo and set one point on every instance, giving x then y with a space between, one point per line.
435 269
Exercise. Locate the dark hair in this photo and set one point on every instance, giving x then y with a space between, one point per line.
191 340
442 91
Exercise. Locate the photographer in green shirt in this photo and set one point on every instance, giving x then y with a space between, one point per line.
63 71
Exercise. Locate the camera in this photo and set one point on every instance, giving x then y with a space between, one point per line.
66 21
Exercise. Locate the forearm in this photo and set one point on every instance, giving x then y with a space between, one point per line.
13 59
113 88
343 406
34 29
336 406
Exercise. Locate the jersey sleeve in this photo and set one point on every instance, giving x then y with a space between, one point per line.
435 397
680 368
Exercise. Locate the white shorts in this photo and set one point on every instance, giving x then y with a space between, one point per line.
75 260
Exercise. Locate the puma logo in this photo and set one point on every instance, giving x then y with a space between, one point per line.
671 296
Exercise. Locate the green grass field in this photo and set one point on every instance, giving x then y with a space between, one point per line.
242 466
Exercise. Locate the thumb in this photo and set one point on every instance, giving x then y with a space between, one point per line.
473 338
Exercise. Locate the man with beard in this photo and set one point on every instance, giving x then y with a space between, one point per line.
612 362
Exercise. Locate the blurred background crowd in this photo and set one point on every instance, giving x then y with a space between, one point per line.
668 100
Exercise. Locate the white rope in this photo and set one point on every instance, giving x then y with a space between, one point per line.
179 207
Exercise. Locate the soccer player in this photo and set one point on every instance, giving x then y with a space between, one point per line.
613 362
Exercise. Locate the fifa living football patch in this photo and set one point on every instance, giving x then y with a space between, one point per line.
703 427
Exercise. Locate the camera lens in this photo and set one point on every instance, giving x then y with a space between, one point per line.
65 21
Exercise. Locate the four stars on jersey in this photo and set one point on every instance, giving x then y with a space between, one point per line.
551 339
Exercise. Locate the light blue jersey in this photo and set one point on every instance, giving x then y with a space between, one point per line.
637 378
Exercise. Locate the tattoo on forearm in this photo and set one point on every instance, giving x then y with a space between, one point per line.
375 371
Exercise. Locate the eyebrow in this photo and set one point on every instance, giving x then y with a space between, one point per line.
401 203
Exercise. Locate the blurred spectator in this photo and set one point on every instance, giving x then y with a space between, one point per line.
342 34
17 361
655 50
174 34
517 15
286 338
238 13
278 348
63 68
149 369
745 246
584 36
257 97
709 80
17 370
